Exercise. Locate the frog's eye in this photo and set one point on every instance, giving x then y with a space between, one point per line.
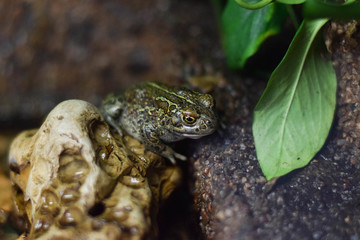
189 118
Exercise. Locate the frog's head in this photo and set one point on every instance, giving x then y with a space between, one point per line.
195 119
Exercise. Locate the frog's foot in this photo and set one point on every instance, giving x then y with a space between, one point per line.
154 144
171 155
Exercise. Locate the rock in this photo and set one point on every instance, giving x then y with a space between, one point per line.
319 201
74 179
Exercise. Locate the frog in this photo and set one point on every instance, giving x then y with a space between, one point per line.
157 114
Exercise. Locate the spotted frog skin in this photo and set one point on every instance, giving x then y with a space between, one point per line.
157 114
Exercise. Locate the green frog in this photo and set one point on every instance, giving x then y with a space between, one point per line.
157 114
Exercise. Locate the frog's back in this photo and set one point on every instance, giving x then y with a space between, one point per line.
141 94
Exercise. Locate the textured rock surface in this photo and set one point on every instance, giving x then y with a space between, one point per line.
72 179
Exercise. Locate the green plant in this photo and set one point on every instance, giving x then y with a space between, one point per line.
293 116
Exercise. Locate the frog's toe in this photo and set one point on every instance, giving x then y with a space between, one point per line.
172 159
174 156
180 157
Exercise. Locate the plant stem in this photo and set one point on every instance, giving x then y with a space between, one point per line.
293 17
253 6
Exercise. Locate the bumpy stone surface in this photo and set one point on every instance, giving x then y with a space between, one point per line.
343 40
73 179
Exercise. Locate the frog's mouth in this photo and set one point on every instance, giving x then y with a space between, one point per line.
194 136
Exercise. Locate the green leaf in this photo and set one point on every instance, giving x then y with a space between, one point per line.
245 30
332 9
295 113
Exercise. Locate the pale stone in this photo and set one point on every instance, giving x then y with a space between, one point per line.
80 181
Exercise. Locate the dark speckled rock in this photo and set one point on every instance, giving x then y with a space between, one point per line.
320 201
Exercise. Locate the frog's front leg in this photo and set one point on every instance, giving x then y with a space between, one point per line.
111 113
113 123
154 144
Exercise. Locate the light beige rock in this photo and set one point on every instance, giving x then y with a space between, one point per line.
74 179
